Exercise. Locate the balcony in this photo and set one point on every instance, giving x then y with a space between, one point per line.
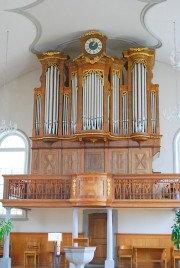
92 190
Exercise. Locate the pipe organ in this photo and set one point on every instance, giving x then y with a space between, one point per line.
92 91
95 101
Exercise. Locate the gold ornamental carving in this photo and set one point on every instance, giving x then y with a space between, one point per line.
74 187
93 60
116 72
51 53
92 33
99 73
141 51
108 187
143 61
54 55
38 95
124 93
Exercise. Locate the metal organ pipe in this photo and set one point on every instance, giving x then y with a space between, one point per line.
51 101
145 97
65 115
116 82
153 112
92 101
135 99
139 98
108 111
74 104
95 101
98 106
54 104
126 100
46 119
142 99
125 112
57 100
38 115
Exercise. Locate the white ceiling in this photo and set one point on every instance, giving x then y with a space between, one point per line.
34 26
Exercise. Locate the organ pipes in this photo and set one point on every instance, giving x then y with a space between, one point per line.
65 114
153 112
116 102
139 98
104 96
93 95
74 104
125 113
51 101
38 114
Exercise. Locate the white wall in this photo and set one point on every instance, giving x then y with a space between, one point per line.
16 101
48 220
150 221
165 76
16 104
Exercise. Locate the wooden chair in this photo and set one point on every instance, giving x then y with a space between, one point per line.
32 251
81 241
175 255
125 251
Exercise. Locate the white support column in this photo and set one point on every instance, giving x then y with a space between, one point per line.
109 262
74 230
5 262
7 237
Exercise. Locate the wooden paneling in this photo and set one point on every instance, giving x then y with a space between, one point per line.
140 161
70 161
147 241
94 160
118 161
49 160
35 162
19 240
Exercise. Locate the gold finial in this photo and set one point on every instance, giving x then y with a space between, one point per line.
93 32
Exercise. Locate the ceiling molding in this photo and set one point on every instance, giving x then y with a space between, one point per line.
151 3
22 11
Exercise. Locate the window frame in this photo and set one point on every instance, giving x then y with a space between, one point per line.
26 151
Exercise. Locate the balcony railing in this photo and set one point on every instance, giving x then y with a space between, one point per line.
92 189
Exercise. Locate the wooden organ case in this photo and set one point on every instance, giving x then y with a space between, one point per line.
95 113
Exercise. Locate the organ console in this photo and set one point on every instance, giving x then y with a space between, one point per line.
95 101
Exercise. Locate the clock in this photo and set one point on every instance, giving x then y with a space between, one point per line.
93 46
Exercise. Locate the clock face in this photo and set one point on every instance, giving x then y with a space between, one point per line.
93 46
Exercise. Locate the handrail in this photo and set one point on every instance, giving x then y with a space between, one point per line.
156 186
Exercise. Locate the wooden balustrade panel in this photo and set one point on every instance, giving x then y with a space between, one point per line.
91 186
92 189
155 186
147 241
56 187
18 242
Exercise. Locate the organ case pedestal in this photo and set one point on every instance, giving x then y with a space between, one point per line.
94 112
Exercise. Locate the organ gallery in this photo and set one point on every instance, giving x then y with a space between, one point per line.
95 112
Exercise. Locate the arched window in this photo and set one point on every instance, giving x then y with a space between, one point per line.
176 152
14 159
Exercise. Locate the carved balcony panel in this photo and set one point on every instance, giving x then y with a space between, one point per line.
92 190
